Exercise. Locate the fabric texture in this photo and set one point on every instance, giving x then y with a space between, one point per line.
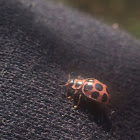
40 44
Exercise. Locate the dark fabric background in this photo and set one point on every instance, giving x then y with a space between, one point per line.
40 44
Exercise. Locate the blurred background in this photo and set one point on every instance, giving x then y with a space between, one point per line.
124 14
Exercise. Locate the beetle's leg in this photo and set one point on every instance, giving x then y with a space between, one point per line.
75 92
64 85
67 82
69 97
78 101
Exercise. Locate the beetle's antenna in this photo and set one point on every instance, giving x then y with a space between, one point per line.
68 77
67 82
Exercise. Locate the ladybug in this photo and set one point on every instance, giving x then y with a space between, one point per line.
90 87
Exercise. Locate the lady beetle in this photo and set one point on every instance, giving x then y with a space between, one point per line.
90 87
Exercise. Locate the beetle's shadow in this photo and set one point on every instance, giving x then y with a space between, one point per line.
96 112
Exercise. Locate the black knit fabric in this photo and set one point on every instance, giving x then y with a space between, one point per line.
40 44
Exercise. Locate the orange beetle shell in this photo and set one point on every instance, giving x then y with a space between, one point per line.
93 89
